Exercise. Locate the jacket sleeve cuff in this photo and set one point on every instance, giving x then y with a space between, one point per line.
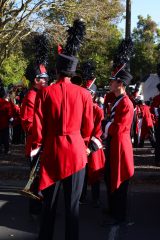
97 142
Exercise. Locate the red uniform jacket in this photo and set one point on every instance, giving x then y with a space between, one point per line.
96 160
147 122
155 104
108 101
63 122
5 113
27 112
16 114
121 151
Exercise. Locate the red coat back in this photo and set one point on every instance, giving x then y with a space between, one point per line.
5 113
96 160
121 151
155 104
147 121
27 112
63 122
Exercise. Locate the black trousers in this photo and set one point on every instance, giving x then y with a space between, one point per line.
18 134
83 196
117 200
4 139
157 147
95 190
72 186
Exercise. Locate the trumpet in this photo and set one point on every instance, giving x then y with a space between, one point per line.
29 190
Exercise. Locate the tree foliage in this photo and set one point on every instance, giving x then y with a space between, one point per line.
102 34
21 19
146 37
18 18
12 69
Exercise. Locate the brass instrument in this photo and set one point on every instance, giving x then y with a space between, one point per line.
34 176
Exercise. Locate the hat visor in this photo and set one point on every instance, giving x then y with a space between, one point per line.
42 75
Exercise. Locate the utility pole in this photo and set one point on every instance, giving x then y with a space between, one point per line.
128 19
128 24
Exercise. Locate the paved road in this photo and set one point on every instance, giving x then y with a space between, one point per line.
15 222
143 216
143 204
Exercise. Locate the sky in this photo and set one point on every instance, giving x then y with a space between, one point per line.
144 8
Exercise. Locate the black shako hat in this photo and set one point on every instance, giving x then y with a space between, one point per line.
38 68
124 76
88 73
121 58
67 61
66 64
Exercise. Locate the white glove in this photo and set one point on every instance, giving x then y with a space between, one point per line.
35 151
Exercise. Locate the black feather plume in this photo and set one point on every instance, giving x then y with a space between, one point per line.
41 49
75 38
2 90
1 83
124 53
88 70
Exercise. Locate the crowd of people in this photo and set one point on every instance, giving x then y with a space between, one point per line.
11 131
78 138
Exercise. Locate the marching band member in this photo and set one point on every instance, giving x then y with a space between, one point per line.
144 123
119 153
38 77
156 104
155 108
6 114
62 124
96 157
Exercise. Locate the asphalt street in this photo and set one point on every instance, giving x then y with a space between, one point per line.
143 218
143 204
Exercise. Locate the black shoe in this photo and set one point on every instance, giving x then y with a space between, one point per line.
96 204
83 201
7 152
109 221
106 211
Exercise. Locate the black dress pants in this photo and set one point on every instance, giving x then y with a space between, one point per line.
72 186
157 147
117 200
4 139
95 190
